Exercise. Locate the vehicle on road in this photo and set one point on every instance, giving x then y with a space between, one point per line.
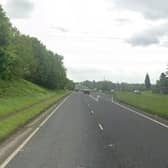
137 91
86 91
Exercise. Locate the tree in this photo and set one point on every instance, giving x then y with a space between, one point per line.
100 85
147 81
6 57
5 29
26 57
163 79
70 85
163 83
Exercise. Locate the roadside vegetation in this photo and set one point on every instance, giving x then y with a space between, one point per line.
149 102
25 57
151 98
18 95
21 101
32 78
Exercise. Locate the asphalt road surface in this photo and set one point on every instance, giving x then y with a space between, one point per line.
92 132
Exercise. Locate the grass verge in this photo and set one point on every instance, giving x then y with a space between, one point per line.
31 98
17 95
155 104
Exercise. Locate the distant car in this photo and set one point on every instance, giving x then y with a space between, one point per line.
112 90
86 91
137 91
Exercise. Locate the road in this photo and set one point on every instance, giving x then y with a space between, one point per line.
91 132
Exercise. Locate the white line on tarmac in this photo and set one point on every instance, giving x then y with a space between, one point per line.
92 112
101 127
93 98
6 162
142 115
112 99
111 145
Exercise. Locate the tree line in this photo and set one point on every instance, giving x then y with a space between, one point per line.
162 84
110 86
22 56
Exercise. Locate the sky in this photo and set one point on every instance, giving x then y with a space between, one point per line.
117 40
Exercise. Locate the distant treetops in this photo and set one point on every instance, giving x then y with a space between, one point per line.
161 84
147 81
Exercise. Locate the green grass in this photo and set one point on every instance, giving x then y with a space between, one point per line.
16 95
152 103
21 101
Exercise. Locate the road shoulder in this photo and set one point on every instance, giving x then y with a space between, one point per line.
15 140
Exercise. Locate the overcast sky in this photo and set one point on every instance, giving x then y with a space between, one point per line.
118 40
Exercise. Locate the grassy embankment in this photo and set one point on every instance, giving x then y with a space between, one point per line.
152 103
21 101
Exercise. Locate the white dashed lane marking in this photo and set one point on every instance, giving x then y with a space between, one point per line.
92 112
101 127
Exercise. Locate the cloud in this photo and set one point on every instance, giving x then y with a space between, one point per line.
143 40
153 35
151 9
60 29
18 9
88 74
116 74
156 12
123 20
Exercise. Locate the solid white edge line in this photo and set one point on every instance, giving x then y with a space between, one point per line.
100 126
7 161
142 115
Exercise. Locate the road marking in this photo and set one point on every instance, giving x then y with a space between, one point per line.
93 98
92 112
81 167
112 99
98 97
100 126
20 148
111 145
142 115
